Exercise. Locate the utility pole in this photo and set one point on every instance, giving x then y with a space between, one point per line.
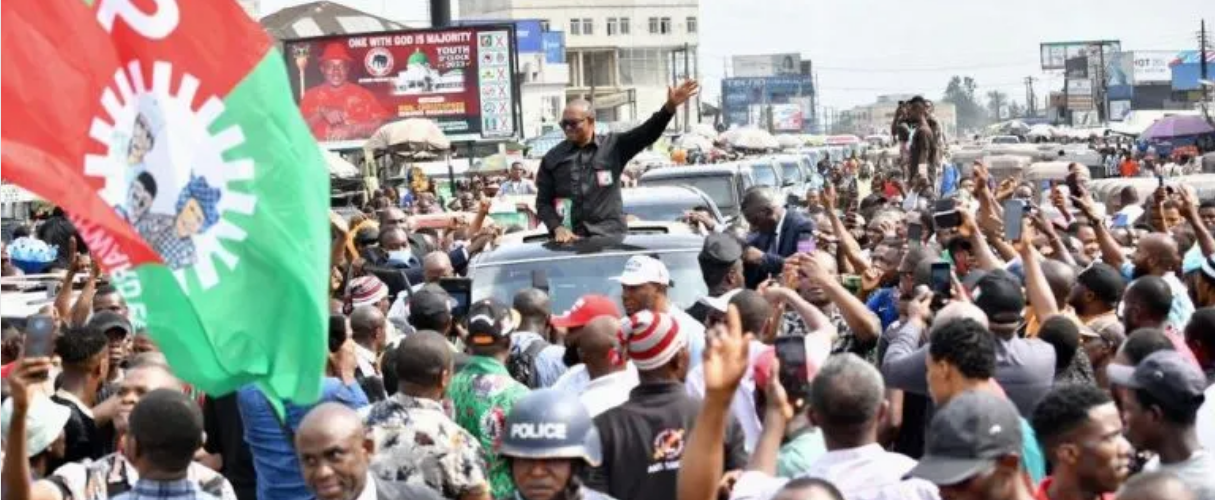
1030 98
1104 103
687 72
1202 58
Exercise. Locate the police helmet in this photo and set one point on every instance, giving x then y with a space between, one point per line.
548 423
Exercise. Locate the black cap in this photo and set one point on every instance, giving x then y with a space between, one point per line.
429 302
968 435
106 321
999 295
721 250
1168 376
1104 281
489 321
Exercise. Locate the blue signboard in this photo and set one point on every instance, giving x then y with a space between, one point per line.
528 32
1186 75
554 47
739 94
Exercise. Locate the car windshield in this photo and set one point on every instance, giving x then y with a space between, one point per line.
790 171
719 189
658 210
765 175
572 277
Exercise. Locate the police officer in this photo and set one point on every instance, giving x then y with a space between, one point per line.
549 439
578 183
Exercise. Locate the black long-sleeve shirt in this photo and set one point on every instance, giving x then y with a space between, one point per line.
589 178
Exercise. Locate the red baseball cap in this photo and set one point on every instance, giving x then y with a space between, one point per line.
585 310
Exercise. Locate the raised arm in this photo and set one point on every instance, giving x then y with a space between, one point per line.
1189 210
725 364
1111 252
634 141
864 324
1037 289
850 249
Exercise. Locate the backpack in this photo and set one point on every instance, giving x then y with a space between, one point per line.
522 364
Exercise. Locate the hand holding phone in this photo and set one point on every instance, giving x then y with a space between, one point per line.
460 290
805 242
791 352
942 284
39 336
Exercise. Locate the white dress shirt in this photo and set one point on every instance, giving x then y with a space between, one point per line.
743 404
601 394
865 473
573 381
366 359
609 391
369 491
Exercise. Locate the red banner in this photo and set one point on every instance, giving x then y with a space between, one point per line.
460 77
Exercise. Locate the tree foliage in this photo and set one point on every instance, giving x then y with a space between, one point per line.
961 93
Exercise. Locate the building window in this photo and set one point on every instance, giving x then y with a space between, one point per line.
664 26
613 28
653 25
575 26
624 26
692 24
544 27
588 27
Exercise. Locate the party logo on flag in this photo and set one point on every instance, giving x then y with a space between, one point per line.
165 173
165 129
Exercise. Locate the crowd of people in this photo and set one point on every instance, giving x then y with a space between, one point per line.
919 346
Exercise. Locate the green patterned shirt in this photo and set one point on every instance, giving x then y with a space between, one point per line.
482 394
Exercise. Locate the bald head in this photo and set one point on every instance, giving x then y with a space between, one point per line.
532 304
580 106
1161 250
329 420
1061 278
956 311
334 452
366 323
1158 485
392 217
436 266
596 343
758 198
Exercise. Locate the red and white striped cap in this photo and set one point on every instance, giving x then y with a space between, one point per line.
652 339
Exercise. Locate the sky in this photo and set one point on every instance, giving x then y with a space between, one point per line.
864 48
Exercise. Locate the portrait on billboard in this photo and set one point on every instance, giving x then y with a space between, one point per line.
335 108
462 78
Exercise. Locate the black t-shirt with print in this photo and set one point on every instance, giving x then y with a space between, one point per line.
644 439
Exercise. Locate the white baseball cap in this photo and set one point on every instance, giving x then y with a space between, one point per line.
721 303
642 269
44 422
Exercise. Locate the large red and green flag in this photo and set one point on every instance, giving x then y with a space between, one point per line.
166 129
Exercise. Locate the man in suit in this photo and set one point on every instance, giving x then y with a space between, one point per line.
774 234
335 454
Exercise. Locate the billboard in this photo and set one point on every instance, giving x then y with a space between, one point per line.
347 86
554 47
1185 70
787 117
743 98
1119 110
767 65
529 34
1076 67
1151 66
1054 56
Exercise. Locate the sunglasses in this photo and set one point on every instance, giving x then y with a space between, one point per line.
570 123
